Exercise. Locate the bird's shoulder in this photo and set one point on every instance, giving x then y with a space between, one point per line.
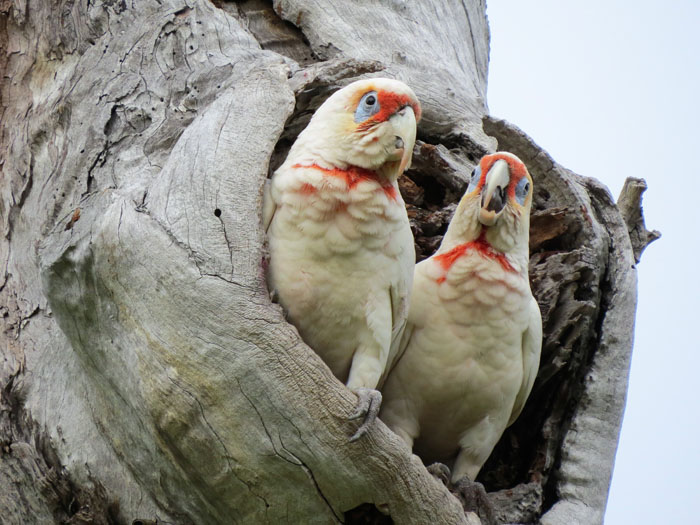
353 202
467 276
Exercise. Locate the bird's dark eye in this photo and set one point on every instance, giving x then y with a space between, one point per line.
521 190
474 178
368 107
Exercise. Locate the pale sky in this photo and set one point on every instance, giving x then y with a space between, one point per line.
610 89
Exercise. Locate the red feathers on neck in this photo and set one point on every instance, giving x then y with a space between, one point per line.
481 246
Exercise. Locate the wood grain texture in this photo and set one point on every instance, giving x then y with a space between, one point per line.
440 49
145 372
630 205
585 281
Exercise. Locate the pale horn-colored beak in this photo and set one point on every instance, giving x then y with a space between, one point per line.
404 124
493 194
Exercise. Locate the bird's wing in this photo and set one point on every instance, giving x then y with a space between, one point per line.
398 297
269 205
400 340
403 330
532 345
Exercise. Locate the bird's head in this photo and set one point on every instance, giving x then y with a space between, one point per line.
496 204
370 123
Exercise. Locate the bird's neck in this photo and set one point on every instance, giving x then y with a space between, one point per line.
352 175
498 242
311 149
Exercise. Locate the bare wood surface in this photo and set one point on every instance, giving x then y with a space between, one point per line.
630 205
145 373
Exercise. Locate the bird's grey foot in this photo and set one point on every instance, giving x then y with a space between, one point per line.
474 499
440 472
368 403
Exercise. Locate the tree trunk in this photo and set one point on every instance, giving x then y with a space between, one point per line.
147 376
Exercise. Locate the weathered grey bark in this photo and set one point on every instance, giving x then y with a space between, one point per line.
583 274
630 205
145 373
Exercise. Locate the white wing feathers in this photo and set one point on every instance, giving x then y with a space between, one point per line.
532 343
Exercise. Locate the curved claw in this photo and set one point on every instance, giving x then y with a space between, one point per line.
475 499
441 472
368 403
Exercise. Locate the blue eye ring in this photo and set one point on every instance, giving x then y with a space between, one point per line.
522 190
474 178
367 107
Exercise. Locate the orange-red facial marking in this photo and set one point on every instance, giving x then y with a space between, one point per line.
481 246
517 170
352 177
389 103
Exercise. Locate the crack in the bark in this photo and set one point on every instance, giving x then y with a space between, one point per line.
474 47
101 159
262 422
228 245
297 461
28 454
192 254
25 318
227 455
311 476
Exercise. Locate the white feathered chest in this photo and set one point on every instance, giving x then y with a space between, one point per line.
338 212
341 258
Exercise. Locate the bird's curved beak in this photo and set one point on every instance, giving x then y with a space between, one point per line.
404 124
493 195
